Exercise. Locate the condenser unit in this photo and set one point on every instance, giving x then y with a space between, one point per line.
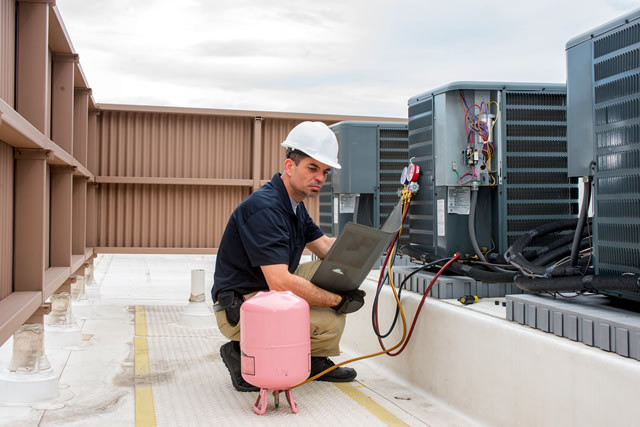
603 80
507 141
365 189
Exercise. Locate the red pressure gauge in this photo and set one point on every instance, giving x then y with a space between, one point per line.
413 172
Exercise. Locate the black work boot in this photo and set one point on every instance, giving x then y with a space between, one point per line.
230 353
338 375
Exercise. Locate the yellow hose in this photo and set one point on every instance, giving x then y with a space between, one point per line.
404 322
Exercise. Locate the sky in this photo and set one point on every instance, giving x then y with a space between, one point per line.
350 57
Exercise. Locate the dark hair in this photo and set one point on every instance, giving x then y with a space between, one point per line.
295 155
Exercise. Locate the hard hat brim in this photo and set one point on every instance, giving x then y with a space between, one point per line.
318 157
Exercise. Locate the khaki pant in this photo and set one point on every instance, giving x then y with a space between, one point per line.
326 326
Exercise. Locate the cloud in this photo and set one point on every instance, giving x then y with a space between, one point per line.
351 57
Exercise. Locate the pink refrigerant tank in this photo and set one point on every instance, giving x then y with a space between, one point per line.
274 339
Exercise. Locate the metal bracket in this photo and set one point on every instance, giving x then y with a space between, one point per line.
83 90
33 154
63 169
43 310
65 57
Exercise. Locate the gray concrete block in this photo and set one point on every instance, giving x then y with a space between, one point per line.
557 323
571 327
587 331
531 315
622 342
543 319
518 312
603 336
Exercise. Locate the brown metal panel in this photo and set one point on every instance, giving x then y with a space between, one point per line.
79 215
47 225
169 216
6 219
62 101
174 145
80 124
92 142
60 214
31 217
7 50
32 83
92 216
47 95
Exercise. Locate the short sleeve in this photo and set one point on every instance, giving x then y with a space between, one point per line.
265 238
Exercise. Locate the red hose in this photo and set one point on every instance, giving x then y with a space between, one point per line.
424 297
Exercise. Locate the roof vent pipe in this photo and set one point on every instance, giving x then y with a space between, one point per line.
197 314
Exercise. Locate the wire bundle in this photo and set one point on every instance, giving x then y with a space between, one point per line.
474 124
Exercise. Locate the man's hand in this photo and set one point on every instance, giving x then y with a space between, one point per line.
351 302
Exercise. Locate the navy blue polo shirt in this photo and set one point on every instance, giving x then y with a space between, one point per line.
263 230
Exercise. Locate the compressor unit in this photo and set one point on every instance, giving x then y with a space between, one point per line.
490 150
603 83
365 190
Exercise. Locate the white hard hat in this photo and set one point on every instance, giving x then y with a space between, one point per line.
316 140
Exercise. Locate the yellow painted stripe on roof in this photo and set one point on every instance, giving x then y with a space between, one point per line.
141 321
370 405
145 408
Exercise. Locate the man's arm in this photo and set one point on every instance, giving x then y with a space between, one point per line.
320 247
279 279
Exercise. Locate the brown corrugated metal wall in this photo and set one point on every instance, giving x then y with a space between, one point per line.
7 50
6 219
7 92
164 216
134 144
171 180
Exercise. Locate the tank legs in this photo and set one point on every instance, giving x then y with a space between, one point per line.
260 407
260 410
294 405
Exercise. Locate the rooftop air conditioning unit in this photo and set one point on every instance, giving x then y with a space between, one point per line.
365 189
603 81
505 142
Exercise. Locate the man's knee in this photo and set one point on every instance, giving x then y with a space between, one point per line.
326 321
231 332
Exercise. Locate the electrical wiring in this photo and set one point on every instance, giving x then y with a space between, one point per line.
496 118
476 125
473 176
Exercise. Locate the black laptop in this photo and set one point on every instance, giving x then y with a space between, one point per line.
354 254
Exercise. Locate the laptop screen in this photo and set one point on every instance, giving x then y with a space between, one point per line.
351 258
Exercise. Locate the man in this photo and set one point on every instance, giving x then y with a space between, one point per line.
261 249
